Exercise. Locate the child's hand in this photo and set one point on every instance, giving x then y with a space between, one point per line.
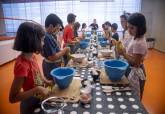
41 92
78 39
67 49
114 42
49 82
120 48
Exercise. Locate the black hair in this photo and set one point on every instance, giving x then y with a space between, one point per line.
107 23
138 20
61 29
28 38
83 25
125 16
103 25
53 19
114 26
76 26
71 18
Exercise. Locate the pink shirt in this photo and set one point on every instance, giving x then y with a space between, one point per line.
137 46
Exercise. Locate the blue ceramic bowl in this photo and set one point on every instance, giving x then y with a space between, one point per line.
86 40
100 39
63 76
115 69
83 44
103 43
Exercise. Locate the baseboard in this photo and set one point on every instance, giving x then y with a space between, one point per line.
157 50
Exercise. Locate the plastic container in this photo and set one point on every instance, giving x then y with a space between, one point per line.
95 74
150 42
63 76
78 57
53 105
115 69
85 95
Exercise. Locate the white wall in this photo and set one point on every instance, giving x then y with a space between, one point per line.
154 10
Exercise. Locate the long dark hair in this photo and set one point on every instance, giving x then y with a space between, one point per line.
76 26
28 38
83 25
125 16
138 20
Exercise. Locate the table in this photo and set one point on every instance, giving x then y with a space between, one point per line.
117 103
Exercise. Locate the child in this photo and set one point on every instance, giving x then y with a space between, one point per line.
59 36
107 30
126 37
69 33
77 36
115 35
76 27
84 26
83 30
27 75
53 56
136 52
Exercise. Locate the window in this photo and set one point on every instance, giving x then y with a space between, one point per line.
85 11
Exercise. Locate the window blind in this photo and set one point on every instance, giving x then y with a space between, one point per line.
85 11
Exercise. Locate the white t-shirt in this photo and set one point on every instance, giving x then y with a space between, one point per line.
126 40
137 46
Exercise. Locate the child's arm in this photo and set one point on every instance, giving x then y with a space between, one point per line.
59 54
134 60
17 95
72 42
46 82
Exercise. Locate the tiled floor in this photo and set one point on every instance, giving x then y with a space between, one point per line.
154 94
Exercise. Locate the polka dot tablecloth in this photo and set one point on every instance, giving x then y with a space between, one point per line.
116 103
